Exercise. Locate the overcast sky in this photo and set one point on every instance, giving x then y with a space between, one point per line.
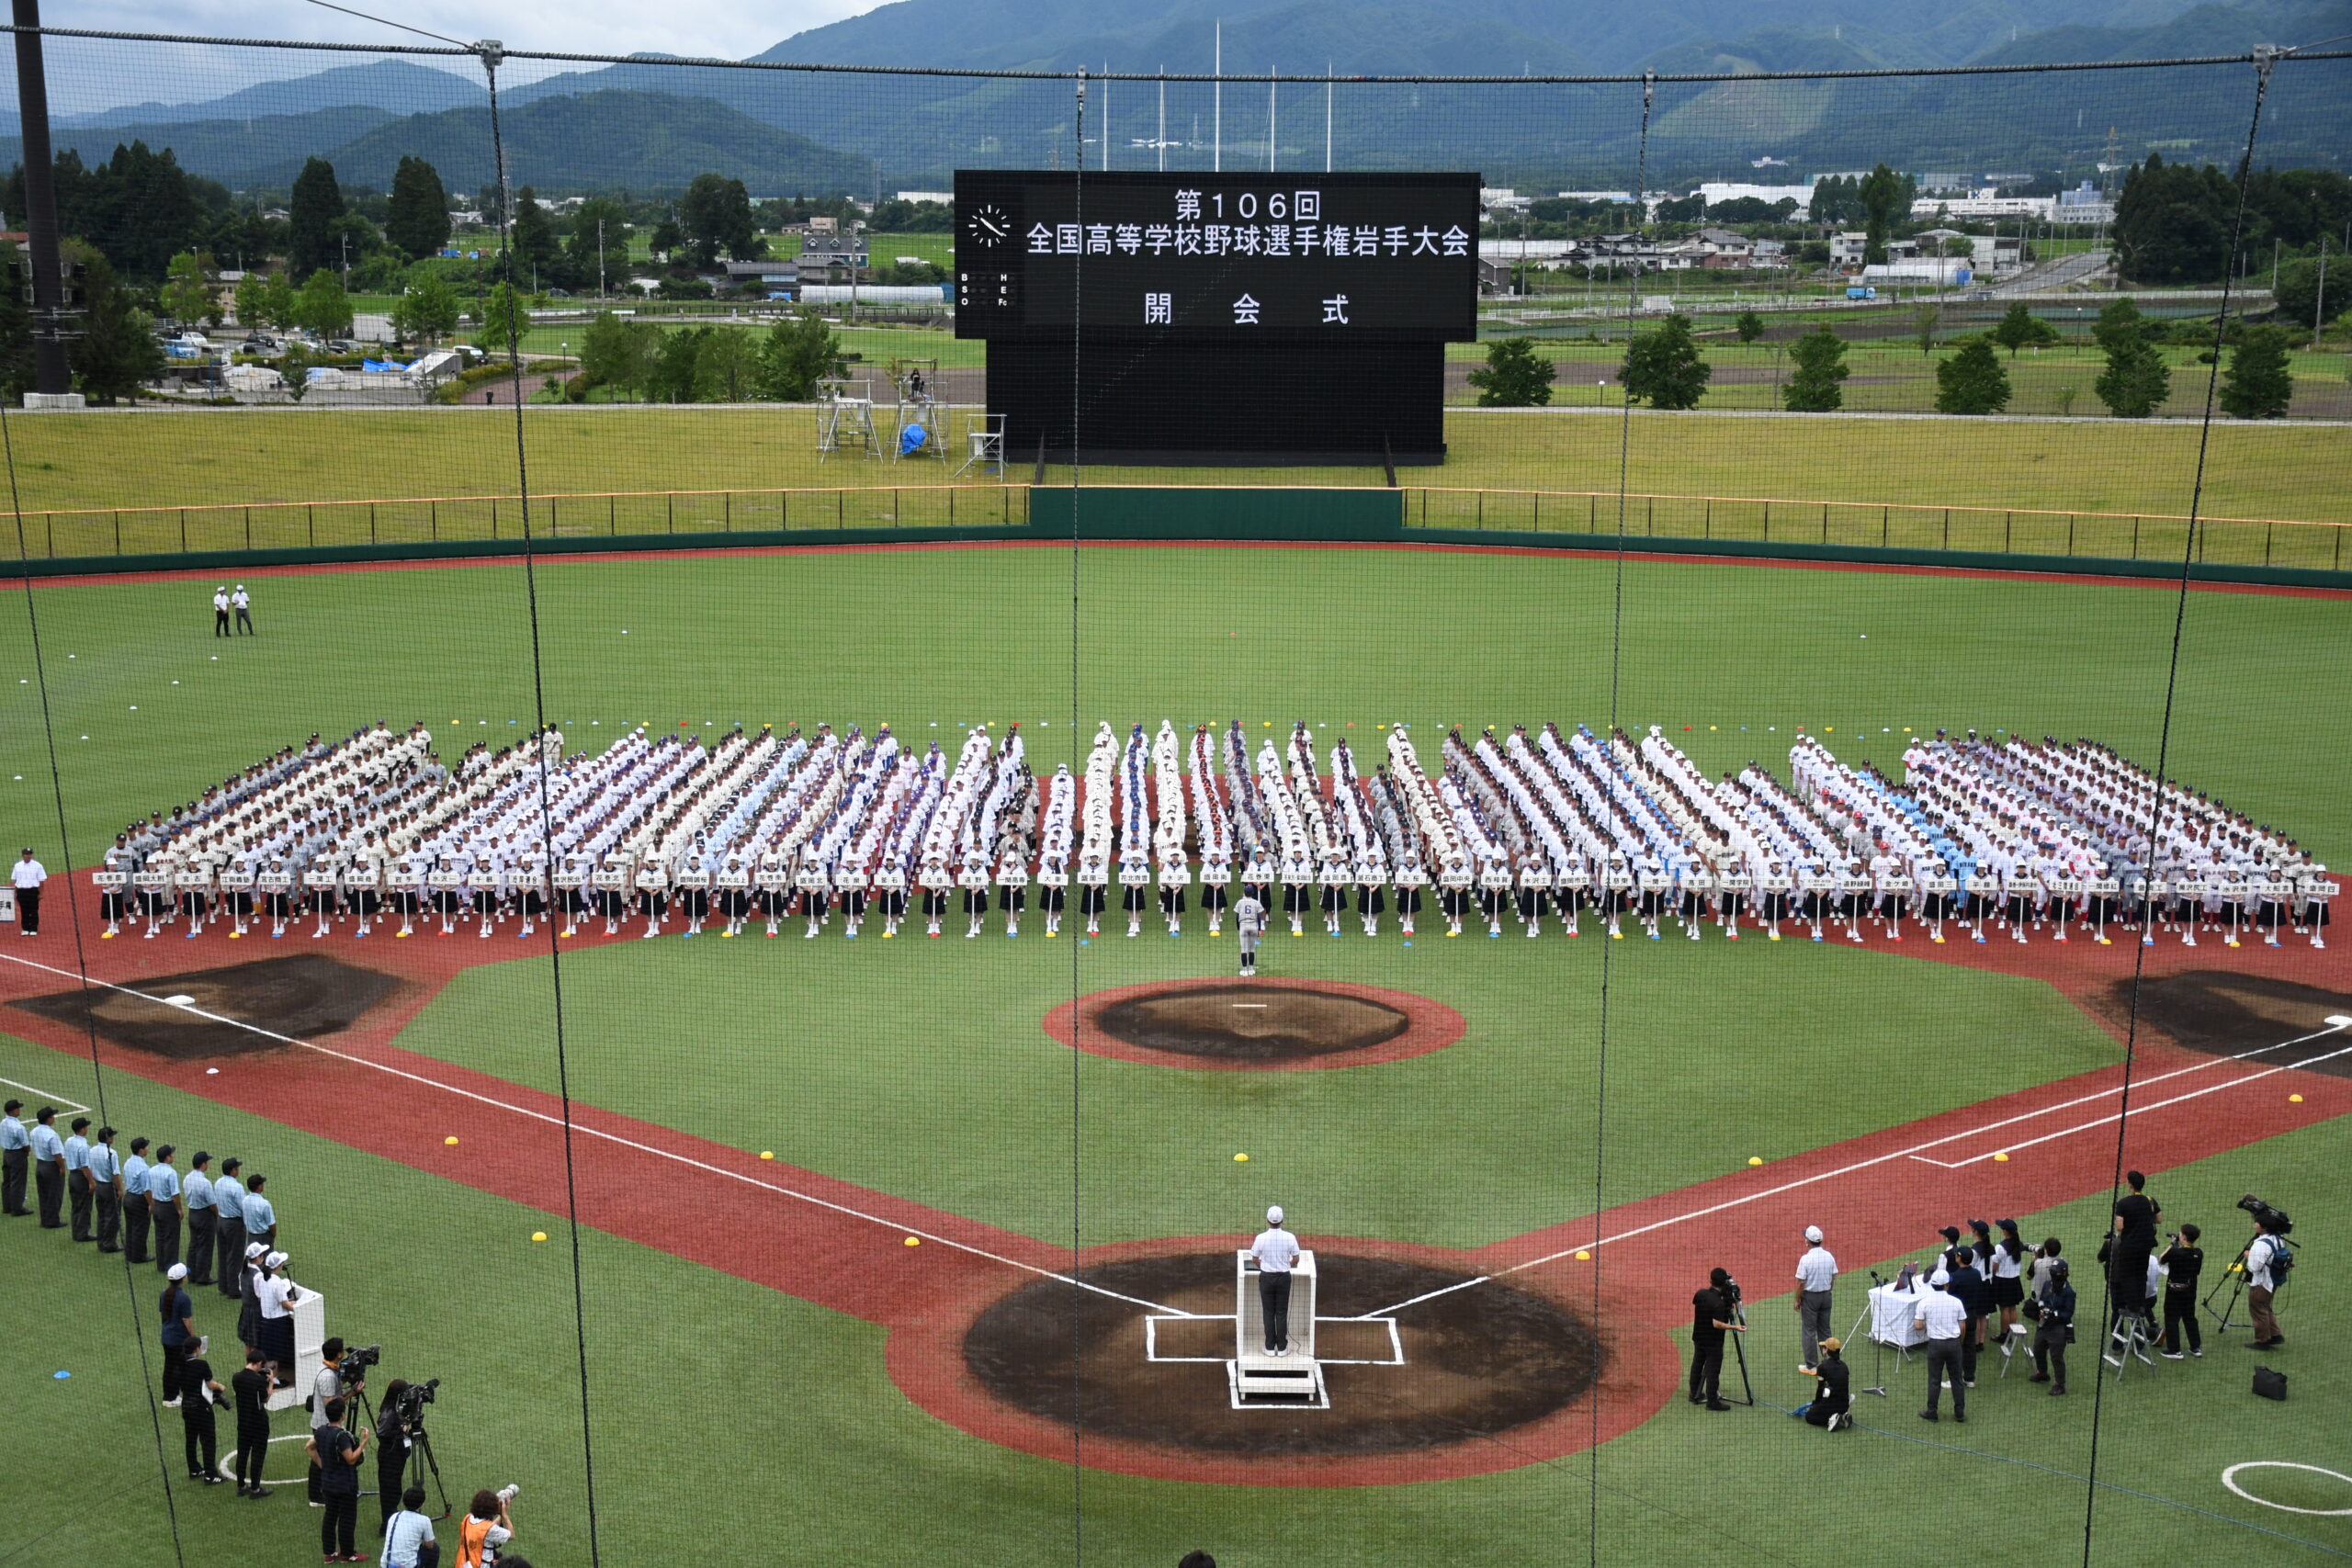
80 81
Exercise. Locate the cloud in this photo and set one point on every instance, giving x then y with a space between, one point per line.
92 75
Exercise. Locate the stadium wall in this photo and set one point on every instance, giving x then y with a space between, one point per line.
1175 513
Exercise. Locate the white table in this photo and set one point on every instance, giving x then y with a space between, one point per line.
1894 1316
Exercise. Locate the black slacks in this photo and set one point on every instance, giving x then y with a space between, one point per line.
340 1523
136 1224
228 1254
1274 1296
253 1447
201 1222
28 910
167 1238
49 1182
2050 1351
78 1202
16 1165
1706 1370
2181 1313
198 1429
110 1204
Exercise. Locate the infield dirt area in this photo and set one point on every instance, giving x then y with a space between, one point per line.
1476 1362
2221 1013
302 996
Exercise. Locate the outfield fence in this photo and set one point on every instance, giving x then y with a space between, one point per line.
639 514
1903 525
412 519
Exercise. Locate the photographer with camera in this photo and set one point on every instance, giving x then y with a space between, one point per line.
327 1386
488 1526
249 1389
2183 1262
1714 1312
2051 1307
399 1415
2266 1262
334 1456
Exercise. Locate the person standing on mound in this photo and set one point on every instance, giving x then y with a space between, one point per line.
1249 924
1276 1251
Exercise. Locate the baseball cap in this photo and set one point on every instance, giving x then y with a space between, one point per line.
177 1271
1833 1343
1813 1234
276 1260
1939 1279
1949 1233
1275 1215
252 1249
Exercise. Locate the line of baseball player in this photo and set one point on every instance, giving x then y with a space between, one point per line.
1983 835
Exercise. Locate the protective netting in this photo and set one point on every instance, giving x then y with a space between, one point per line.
1564 677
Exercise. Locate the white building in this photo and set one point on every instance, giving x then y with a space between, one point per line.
944 197
1729 190
1984 205
1945 272
1846 250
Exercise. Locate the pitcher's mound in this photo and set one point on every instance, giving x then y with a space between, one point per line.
1476 1362
2224 1014
301 996
1255 1023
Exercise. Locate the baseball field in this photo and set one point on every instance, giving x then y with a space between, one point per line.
871 1251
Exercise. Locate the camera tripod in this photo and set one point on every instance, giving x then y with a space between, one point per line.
420 1457
1739 1353
2234 1280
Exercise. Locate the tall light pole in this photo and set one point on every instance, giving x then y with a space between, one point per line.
1160 140
1216 115
52 377
1270 119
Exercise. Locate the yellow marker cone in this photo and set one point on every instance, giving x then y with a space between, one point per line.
2294 1100
1584 1257
538 1235
1756 1159
2000 1159
451 1142
914 1241
767 1154
1241 1159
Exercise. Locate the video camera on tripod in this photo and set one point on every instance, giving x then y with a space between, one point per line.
408 1406
2270 1216
354 1361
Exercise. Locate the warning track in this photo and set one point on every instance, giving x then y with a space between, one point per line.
842 1245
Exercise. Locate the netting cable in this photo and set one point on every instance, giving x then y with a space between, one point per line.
516 321
2262 61
1616 670
81 961
1077 1190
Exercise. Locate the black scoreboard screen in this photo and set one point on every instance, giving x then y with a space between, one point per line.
1216 257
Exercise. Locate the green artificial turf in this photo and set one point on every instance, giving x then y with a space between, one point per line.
762 1425
753 1420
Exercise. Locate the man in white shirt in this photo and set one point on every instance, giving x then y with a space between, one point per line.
242 602
1942 1318
1276 1251
25 876
221 611
1249 923
1816 1272
409 1533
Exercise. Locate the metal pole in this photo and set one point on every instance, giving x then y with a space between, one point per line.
1159 140
1270 119
51 375
1326 116
2319 302
1217 117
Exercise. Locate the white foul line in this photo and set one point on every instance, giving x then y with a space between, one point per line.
612 1138
1913 1152
59 1100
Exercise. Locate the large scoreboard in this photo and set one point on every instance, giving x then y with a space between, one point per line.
1196 317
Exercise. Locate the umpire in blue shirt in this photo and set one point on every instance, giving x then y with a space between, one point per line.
137 1220
48 1168
106 1183
164 1203
229 1227
16 1162
78 1195
201 1217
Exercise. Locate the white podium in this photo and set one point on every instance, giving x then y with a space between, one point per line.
310 1333
1297 1377
1895 1316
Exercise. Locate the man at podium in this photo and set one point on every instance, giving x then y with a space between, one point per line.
1276 1251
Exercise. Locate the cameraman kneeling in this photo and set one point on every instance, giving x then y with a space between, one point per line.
1831 1407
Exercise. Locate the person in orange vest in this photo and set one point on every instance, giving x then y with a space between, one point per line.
488 1526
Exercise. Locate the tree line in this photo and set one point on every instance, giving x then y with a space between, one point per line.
1664 367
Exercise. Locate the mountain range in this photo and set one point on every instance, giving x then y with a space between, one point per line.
651 123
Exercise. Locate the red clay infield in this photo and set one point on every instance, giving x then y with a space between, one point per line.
844 1247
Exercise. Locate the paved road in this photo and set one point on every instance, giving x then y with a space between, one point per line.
2051 277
